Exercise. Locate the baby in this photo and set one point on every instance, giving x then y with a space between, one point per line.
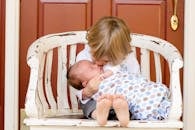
146 100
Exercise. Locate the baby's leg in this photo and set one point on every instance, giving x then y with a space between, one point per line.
121 108
104 104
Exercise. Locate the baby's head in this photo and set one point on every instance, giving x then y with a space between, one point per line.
81 72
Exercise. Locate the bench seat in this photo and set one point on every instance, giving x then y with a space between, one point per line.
51 103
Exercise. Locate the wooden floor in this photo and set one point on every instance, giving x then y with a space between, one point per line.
22 117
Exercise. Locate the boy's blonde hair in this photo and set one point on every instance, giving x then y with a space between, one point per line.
109 37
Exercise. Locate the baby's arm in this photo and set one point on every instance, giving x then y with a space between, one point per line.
93 85
106 74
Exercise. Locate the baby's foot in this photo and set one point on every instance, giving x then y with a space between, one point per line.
121 108
104 103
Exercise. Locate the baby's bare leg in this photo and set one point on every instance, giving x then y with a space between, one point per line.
102 109
121 108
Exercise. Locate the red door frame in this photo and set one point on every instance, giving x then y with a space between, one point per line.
2 60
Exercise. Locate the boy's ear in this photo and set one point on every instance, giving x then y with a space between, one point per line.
84 84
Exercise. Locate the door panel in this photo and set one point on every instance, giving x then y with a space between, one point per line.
146 17
50 16
59 16
101 8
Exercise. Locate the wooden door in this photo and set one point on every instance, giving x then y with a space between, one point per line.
2 60
40 17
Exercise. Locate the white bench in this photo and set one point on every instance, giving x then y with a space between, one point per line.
57 109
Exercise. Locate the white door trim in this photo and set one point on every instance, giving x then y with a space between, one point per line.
189 65
12 67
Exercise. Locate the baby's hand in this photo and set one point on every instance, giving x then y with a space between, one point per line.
92 86
106 74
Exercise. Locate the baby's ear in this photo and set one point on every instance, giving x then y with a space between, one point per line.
84 84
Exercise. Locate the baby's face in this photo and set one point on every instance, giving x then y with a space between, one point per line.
89 70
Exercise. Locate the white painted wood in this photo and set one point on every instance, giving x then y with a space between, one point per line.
11 94
73 98
64 94
49 93
158 67
40 86
89 124
145 63
189 63
32 102
61 82
94 128
35 99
